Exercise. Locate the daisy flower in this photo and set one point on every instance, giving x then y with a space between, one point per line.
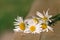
33 28
44 17
34 20
45 27
19 24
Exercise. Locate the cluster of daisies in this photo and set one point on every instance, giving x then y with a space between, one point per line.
35 24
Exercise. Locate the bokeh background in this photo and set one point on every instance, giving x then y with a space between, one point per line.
10 9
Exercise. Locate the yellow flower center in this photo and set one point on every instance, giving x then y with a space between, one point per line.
22 26
44 26
32 28
45 18
35 20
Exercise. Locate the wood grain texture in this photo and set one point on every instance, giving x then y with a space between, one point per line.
23 36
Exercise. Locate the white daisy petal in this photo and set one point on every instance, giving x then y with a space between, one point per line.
21 19
38 30
27 31
50 28
40 21
17 20
31 22
50 20
39 14
49 16
16 24
47 13
43 30
46 30
16 30
43 12
16 27
26 21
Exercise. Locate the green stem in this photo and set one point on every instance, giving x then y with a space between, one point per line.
54 19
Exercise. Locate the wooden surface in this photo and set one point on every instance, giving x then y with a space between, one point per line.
23 36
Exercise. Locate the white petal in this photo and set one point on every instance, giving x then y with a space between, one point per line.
17 20
21 19
46 30
16 30
40 21
44 12
17 27
50 28
50 21
31 22
39 14
43 30
47 13
49 16
38 30
16 24
26 31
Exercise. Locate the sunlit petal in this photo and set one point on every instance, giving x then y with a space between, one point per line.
39 14
50 28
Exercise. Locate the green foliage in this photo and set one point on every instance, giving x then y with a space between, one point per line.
54 19
10 9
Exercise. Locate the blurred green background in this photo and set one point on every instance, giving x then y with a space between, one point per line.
10 9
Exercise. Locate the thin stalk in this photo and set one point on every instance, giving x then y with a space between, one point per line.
54 19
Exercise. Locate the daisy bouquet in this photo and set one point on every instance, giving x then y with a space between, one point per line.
41 23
